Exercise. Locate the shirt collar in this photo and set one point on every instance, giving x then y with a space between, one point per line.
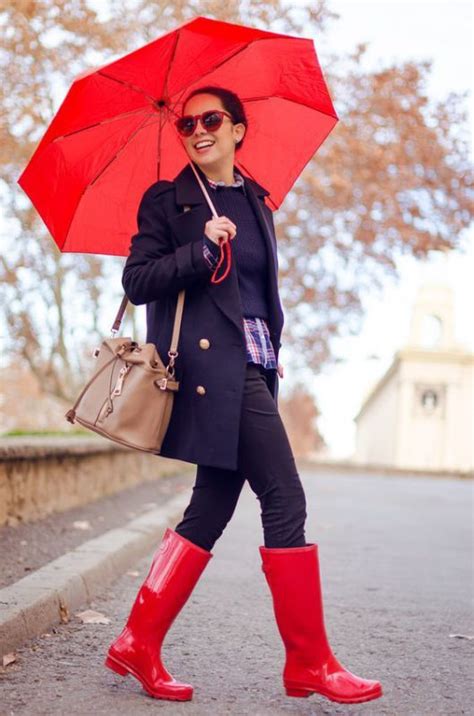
238 182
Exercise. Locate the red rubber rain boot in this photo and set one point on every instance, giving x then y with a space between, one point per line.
293 576
175 570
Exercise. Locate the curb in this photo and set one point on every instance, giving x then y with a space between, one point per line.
47 596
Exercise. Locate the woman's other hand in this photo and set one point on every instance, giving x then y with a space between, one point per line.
220 229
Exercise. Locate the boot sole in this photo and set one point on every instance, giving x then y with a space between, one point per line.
123 670
302 692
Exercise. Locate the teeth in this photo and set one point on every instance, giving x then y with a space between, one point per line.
203 144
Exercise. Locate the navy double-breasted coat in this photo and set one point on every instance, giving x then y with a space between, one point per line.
166 256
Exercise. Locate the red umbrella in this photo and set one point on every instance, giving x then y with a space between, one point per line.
114 134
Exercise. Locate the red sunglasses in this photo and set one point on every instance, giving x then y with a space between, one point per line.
210 120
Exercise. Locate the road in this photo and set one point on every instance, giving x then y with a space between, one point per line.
396 564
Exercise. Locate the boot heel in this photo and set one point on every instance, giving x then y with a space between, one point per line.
300 693
115 667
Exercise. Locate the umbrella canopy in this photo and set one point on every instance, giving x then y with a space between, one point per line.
114 134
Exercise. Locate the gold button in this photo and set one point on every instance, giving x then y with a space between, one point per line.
204 343
200 389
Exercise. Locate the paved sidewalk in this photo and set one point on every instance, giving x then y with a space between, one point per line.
49 595
395 558
28 546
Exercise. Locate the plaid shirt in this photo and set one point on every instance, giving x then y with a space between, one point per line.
257 335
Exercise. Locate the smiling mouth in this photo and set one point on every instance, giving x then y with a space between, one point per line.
204 147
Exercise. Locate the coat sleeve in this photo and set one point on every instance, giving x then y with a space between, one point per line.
154 268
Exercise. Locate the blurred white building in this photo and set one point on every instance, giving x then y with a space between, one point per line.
420 413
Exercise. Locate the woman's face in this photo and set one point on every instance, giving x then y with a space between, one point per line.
224 139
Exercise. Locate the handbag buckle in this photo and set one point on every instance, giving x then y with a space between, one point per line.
162 383
170 366
172 355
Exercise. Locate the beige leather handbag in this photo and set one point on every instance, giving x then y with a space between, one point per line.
129 397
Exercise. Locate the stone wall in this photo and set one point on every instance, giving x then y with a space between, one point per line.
41 475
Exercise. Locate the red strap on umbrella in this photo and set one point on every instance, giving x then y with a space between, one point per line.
225 255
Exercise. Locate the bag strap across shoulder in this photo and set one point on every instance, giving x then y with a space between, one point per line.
177 318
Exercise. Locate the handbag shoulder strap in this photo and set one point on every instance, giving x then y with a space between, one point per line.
177 318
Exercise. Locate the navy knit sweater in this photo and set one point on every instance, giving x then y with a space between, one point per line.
248 248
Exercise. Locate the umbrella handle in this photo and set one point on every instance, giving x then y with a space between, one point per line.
225 250
205 192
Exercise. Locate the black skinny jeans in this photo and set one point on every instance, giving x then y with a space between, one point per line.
266 460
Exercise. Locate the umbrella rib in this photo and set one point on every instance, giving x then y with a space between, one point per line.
231 57
214 67
170 64
120 149
130 85
288 99
309 106
158 160
97 124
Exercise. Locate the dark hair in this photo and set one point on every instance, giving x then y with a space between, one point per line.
231 103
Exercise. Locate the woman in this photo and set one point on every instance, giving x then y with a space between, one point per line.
225 417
